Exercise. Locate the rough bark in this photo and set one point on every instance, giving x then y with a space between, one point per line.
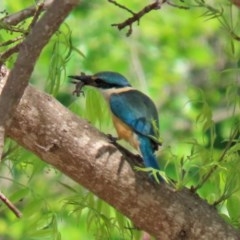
28 54
72 145
3 77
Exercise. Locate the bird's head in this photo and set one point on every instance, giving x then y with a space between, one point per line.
103 80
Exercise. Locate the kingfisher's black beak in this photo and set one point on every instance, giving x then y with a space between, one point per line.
85 79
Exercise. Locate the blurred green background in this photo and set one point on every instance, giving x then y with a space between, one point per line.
186 60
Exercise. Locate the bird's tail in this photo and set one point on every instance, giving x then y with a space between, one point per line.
148 155
147 151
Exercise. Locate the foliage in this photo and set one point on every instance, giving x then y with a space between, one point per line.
103 220
186 59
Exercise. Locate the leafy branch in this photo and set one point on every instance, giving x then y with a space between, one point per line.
16 18
211 12
221 158
219 13
10 22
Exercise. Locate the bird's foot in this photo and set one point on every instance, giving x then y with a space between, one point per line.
112 138
157 178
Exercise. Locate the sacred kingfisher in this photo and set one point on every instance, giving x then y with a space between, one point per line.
133 113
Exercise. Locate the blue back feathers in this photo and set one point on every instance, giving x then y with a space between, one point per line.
137 111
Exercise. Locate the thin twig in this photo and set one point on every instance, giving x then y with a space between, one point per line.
36 15
177 6
4 56
11 28
235 36
18 17
9 42
10 205
122 6
136 16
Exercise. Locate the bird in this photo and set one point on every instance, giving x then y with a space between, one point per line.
134 114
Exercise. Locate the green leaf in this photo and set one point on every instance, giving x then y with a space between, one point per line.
42 234
32 208
233 204
19 195
235 148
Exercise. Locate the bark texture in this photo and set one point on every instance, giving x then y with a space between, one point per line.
28 54
72 145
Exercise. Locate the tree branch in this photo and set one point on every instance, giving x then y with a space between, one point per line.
72 145
9 52
10 205
28 54
16 18
137 16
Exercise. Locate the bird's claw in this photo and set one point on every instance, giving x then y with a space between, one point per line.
112 138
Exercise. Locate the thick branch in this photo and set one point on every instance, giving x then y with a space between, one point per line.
60 138
28 54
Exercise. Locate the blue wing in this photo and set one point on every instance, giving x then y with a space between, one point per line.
139 112
136 110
